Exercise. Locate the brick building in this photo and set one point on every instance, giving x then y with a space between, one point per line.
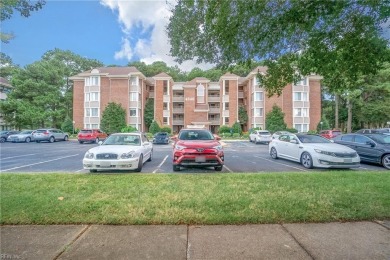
198 102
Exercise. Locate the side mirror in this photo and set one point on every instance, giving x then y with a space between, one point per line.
146 143
174 138
372 144
100 142
218 138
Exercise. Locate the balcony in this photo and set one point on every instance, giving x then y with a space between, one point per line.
178 122
214 110
215 121
214 98
151 94
178 109
178 98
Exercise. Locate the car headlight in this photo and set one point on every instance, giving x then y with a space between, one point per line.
180 147
325 152
88 155
128 155
218 147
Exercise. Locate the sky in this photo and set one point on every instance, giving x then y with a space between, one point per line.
114 32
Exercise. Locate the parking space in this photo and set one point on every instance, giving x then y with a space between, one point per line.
240 156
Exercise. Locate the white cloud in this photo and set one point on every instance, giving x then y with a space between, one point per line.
146 14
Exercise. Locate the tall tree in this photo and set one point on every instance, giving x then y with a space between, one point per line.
149 112
339 40
113 118
7 67
274 120
24 7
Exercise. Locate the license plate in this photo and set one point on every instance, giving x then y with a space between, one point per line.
200 159
105 165
347 160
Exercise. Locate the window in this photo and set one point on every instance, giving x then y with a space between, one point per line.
165 106
300 96
94 96
361 139
302 82
347 138
226 106
226 120
256 81
133 112
258 111
165 120
133 96
86 97
226 87
92 81
200 94
133 81
87 112
301 127
94 126
300 112
165 83
259 96
94 111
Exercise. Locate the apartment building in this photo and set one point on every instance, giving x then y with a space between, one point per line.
5 88
196 103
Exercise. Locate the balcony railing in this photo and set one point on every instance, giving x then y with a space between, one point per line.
178 121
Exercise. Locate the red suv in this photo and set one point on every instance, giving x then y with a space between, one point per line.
329 134
91 135
197 148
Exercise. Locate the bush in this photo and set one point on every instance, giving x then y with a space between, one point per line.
312 132
292 130
154 127
237 128
245 135
224 129
224 135
67 126
236 135
129 129
149 135
166 129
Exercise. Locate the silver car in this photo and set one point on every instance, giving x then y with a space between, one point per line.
260 136
50 135
24 136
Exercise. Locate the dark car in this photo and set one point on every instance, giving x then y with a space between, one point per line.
197 148
161 138
4 135
374 148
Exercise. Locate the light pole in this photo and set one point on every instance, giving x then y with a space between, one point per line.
321 125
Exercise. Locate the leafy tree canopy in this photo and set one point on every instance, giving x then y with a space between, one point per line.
274 120
113 118
339 40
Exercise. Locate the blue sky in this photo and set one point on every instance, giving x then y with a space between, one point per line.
111 31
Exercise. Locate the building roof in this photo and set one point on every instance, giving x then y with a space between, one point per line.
162 75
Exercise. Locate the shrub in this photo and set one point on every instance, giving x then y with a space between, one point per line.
245 135
236 135
292 130
237 128
224 129
129 129
67 125
154 127
166 129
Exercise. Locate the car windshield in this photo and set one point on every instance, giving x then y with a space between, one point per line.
26 132
3 132
196 135
312 139
379 138
86 131
123 140
161 134
41 131
264 133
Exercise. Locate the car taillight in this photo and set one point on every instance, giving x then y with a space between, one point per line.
46 133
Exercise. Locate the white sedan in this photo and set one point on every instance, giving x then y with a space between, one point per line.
313 151
122 151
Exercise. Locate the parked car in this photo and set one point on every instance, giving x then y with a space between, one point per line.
330 134
120 151
374 148
24 136
91 136
161 138
384 131
313 151
50 135
367 131
197 148
260 136
4 135
279 133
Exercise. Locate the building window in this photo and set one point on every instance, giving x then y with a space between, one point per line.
300 112
87 112
133 112
133 81
94 111
226 106
94 96
300 96
302 82
200 94
165 120
256 81
92 81
133 96
301 127
259 96
259 111
94 126
226 87
165 106
226 120
165 83
86 97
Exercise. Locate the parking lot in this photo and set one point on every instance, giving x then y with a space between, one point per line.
240 156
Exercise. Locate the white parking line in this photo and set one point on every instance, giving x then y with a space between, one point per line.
159 166
281 163
18 156
227 168
38 163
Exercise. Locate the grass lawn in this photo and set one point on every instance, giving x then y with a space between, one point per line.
194 198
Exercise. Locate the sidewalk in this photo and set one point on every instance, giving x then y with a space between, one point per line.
351 240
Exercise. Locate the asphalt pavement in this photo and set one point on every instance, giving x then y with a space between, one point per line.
350 240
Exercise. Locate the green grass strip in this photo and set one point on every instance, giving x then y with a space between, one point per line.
246 198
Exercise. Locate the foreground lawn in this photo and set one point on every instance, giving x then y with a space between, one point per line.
194 198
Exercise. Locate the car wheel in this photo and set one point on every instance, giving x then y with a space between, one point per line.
66 138
27 140
274 153
140 163
250 140
218 168
51 140
81 142
306 160
97 140
38 141
176 168
2 140
386 161
92 170
151 155
256 142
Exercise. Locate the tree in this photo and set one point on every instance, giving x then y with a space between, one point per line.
67 126
242 115
154 127
129 129
339 40
274 120
149 112
236 127
24 7
7 67
113 118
